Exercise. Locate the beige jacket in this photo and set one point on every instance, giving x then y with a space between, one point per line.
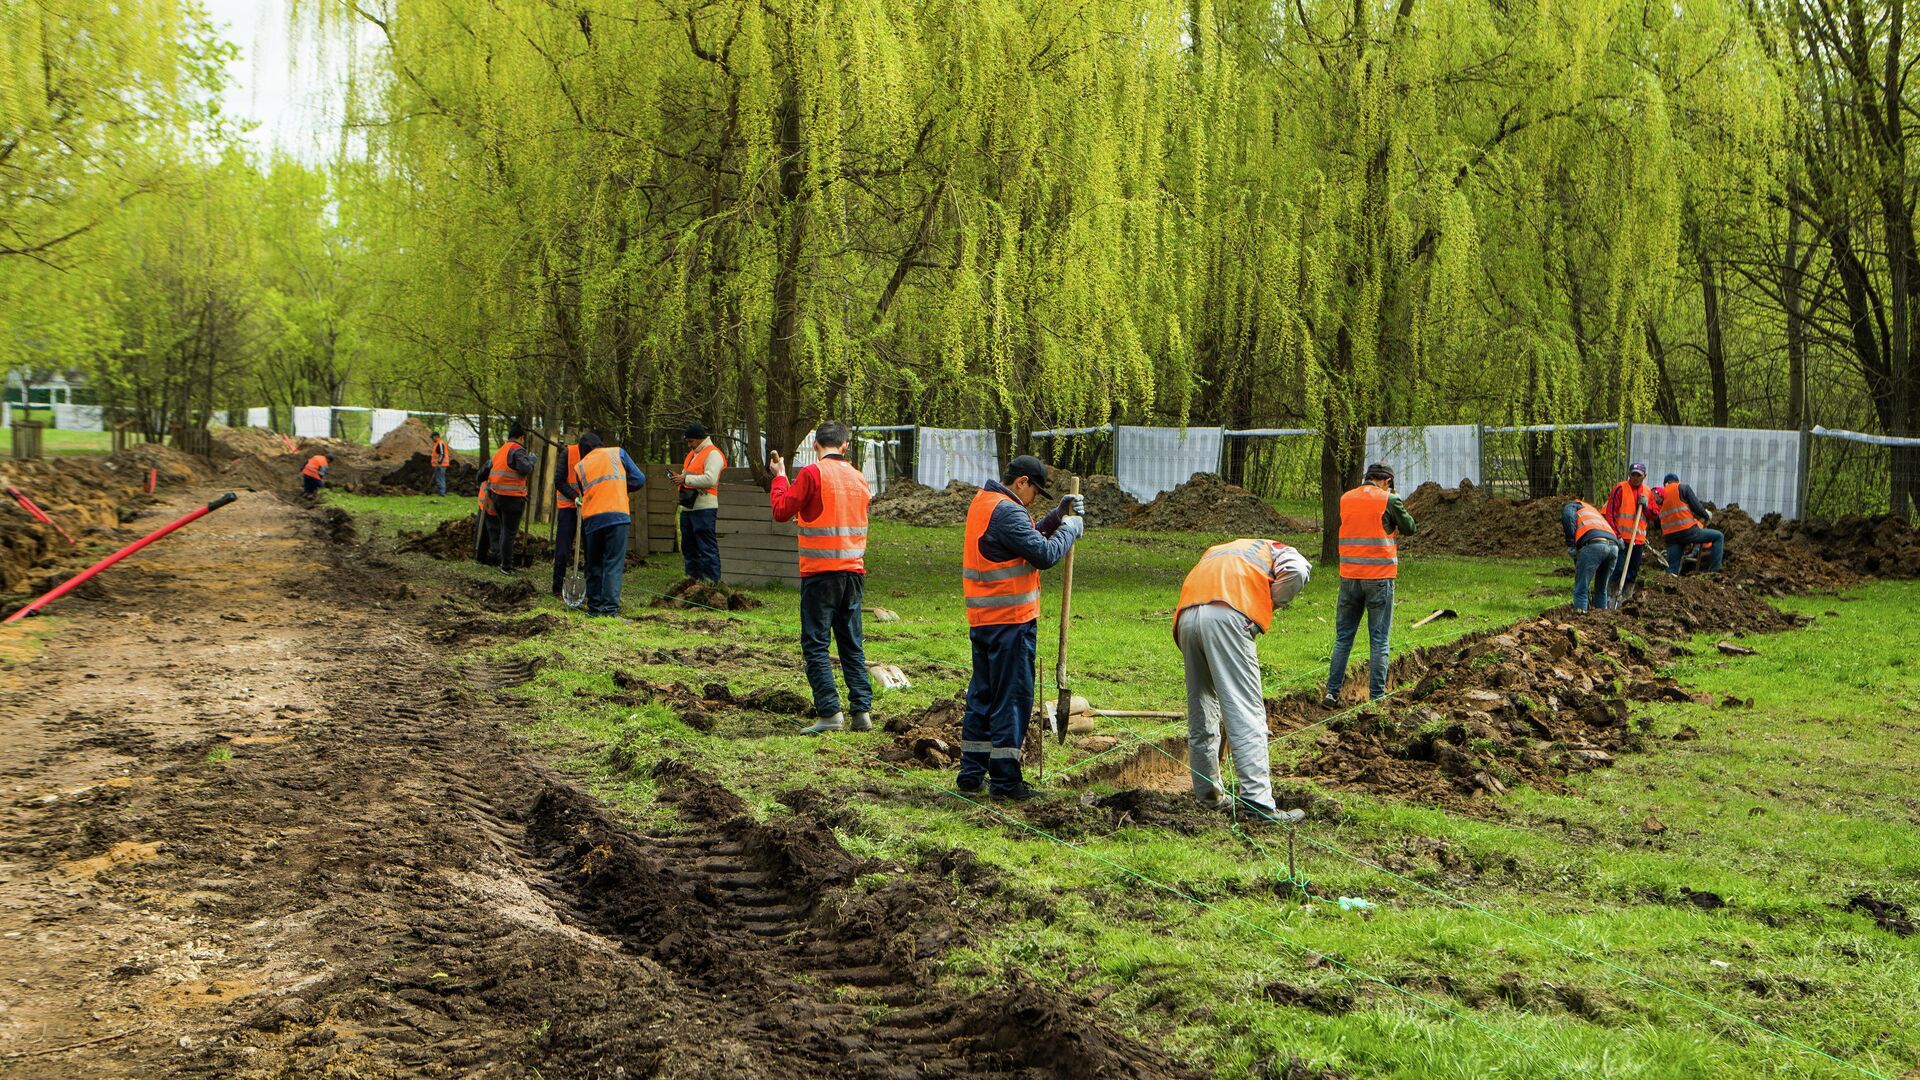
716 462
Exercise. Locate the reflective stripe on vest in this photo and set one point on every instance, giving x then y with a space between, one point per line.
561 502
314 465
1239 574
1675 515
1367 550
837 539
1630 527
998 593
485 500
694 465
440 454
502 478
601 480
1588 520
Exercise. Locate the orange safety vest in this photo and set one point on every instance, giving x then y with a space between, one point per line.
485 501
695 465
1239 574
502 478
602 482
837 539
1367 550
1629 527
1675 515
1587 520
998 593
314 465
441 455
561 502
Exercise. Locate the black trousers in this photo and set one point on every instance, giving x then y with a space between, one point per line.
565 520
503 527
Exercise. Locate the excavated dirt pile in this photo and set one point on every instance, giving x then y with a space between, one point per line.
454 540
690 595
1531 703
1206 503
1880 546
416 477
88 497
929 738
917 504
1468 521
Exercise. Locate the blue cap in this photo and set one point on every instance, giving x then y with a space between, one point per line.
1672 478
1638 467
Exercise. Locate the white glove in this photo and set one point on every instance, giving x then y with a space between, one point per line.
1074 505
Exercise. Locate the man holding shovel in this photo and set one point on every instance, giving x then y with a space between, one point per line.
602 482
1629 514
830 498
1372 519
1227 602
1000 563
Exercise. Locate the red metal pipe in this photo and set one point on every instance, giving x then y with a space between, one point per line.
153 480
33 508
74 582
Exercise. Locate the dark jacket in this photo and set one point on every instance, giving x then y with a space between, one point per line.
1012 534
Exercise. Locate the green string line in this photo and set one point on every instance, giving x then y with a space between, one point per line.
1648 980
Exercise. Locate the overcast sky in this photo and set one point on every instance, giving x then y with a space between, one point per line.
295 105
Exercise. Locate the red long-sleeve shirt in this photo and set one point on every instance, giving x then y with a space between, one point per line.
802 496
1620 508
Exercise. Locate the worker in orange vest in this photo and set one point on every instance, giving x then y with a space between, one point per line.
1683 523
1226 602
603 481
699 481
1001 557
1595 549
314 476
830 498
441 457
566 516
507 476
1372 519
1629 512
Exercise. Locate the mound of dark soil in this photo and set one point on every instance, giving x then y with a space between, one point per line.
929 738
690 594
453 539
1206 503
1823 553
1468 521
917 504
416 477
1532 703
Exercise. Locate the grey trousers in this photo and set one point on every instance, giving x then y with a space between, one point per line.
1223 690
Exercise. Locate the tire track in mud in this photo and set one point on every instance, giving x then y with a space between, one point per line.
380 880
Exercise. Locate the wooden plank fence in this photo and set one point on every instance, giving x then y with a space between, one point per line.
656 512
26 440
754 548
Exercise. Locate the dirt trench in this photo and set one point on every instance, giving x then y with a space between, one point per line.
253 823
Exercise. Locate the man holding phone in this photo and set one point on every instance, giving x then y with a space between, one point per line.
1372 519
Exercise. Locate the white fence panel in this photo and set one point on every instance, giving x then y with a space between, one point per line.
312 421
1443 453
1150 460
262 418
385 421
944 455
79 417
1756 468
463 433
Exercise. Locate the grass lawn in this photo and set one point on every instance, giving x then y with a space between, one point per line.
57 440
1526 941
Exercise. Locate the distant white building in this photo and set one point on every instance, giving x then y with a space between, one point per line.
67 395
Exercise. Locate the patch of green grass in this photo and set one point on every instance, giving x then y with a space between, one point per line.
389 515
1516 940
219 755
58 440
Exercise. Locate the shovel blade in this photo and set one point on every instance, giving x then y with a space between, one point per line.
573 591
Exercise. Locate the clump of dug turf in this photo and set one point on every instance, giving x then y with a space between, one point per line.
929 738
692 594
1532 703
1206 503
454 539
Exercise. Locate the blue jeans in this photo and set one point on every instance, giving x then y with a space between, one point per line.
700 543
999 700
1374 599
830 616
1677 544
1634 555
439 479
308 485
566 520
1593 565
604 555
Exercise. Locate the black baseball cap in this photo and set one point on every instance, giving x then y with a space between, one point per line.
1379 470
696 430
1032 468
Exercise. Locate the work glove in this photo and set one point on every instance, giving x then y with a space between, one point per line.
1073 505
1573 553
1072 528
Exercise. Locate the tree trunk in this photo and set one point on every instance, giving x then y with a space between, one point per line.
783 381
1716 341
1792 284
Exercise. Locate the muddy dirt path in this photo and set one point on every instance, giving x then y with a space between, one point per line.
253 822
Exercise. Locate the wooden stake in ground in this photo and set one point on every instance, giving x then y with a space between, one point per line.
1065 707
1626 552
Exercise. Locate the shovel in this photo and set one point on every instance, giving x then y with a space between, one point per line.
573 591
1626 559
1058 721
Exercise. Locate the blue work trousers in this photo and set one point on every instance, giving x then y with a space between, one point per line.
700 543
1677 544
999 701
1373 598
830 617
439 479
604 555
1593 566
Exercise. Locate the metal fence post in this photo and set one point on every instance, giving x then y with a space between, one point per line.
1480 455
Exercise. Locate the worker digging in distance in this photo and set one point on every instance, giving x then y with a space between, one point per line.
1595 549
1683 523
1226 603
1372 519
566 516
440 458
314 476
602 483
1629 512
830 498
1000 562
699 480
507 478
